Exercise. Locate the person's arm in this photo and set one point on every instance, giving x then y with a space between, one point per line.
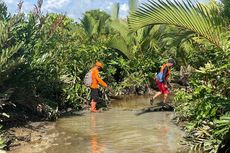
165 71
166 82
101 82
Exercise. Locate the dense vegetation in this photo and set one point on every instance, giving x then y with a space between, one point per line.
204 37
44 59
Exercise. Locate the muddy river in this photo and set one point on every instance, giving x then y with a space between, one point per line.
122 129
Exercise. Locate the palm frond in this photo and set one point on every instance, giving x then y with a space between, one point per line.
133 5
88 24
115 11
120 45
121 27
94 22
186 15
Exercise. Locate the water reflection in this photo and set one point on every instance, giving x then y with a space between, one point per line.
164 134
95 147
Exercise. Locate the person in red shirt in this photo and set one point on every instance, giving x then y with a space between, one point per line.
96 80
162 81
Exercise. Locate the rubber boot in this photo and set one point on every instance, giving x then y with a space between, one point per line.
93 107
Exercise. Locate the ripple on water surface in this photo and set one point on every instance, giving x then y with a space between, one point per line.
114 131
117 131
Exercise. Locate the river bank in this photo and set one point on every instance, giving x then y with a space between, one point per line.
30 137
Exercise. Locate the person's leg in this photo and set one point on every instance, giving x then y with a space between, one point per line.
165 98
166 93
159 85
156 95
94 97
93 106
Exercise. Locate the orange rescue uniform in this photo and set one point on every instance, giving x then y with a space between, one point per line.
96 79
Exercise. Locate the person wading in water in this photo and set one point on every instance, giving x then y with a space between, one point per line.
162 81
96 80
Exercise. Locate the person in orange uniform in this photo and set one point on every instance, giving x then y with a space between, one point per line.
96 80
162 81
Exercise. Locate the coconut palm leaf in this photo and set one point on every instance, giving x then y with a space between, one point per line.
144 39
133 5
115 11
186 15
89 25
94 22
120 45
122 28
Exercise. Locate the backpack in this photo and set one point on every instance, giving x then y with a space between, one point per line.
88 79
159 77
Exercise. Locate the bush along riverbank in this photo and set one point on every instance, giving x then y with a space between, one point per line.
206 110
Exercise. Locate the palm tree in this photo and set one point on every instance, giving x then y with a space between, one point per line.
95 22
129 42
123 40
193 17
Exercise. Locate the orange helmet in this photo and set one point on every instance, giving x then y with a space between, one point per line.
99 64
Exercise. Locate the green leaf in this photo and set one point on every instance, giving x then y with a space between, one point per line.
186 15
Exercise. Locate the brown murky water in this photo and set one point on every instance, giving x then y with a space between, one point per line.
117 131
